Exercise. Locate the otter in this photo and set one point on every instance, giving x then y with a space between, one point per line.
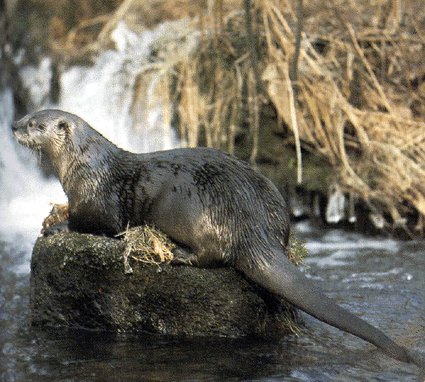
214 205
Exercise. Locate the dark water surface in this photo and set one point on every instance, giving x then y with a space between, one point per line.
381 280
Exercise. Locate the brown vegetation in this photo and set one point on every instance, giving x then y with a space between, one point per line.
147 245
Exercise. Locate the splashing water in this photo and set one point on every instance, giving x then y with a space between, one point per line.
24 193
103 95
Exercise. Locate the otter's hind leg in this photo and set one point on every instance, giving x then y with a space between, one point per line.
201 259
183 256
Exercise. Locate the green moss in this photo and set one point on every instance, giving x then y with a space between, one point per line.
297 251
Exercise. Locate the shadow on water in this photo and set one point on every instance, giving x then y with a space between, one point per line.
380 280
86 356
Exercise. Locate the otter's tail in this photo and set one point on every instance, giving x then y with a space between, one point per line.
281 277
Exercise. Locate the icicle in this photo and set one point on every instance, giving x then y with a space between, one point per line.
352 218
335 210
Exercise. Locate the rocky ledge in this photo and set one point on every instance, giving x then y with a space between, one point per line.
78 281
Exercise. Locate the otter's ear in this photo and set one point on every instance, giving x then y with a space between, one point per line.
63 125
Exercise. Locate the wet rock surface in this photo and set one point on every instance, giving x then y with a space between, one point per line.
78 281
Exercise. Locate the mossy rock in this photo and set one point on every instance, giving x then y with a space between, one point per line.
78 281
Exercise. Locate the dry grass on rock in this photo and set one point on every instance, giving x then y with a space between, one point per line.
147 245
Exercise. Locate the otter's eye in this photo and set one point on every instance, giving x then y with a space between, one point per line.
62 125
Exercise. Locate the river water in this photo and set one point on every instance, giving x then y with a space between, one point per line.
380 279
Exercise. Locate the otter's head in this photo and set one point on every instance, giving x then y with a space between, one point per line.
46 131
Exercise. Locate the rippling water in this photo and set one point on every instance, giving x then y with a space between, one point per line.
379 279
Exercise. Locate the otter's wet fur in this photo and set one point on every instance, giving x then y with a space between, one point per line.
212 203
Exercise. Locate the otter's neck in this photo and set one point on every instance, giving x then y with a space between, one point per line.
86 165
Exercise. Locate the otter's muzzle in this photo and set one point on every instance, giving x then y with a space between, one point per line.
15 126
21 130
23 126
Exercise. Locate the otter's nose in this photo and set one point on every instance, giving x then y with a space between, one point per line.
15 126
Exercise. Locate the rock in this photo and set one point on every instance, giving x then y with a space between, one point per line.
78 281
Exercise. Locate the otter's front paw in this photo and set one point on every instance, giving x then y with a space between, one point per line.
55 228
57 221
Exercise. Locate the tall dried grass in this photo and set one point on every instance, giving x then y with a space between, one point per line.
378 155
